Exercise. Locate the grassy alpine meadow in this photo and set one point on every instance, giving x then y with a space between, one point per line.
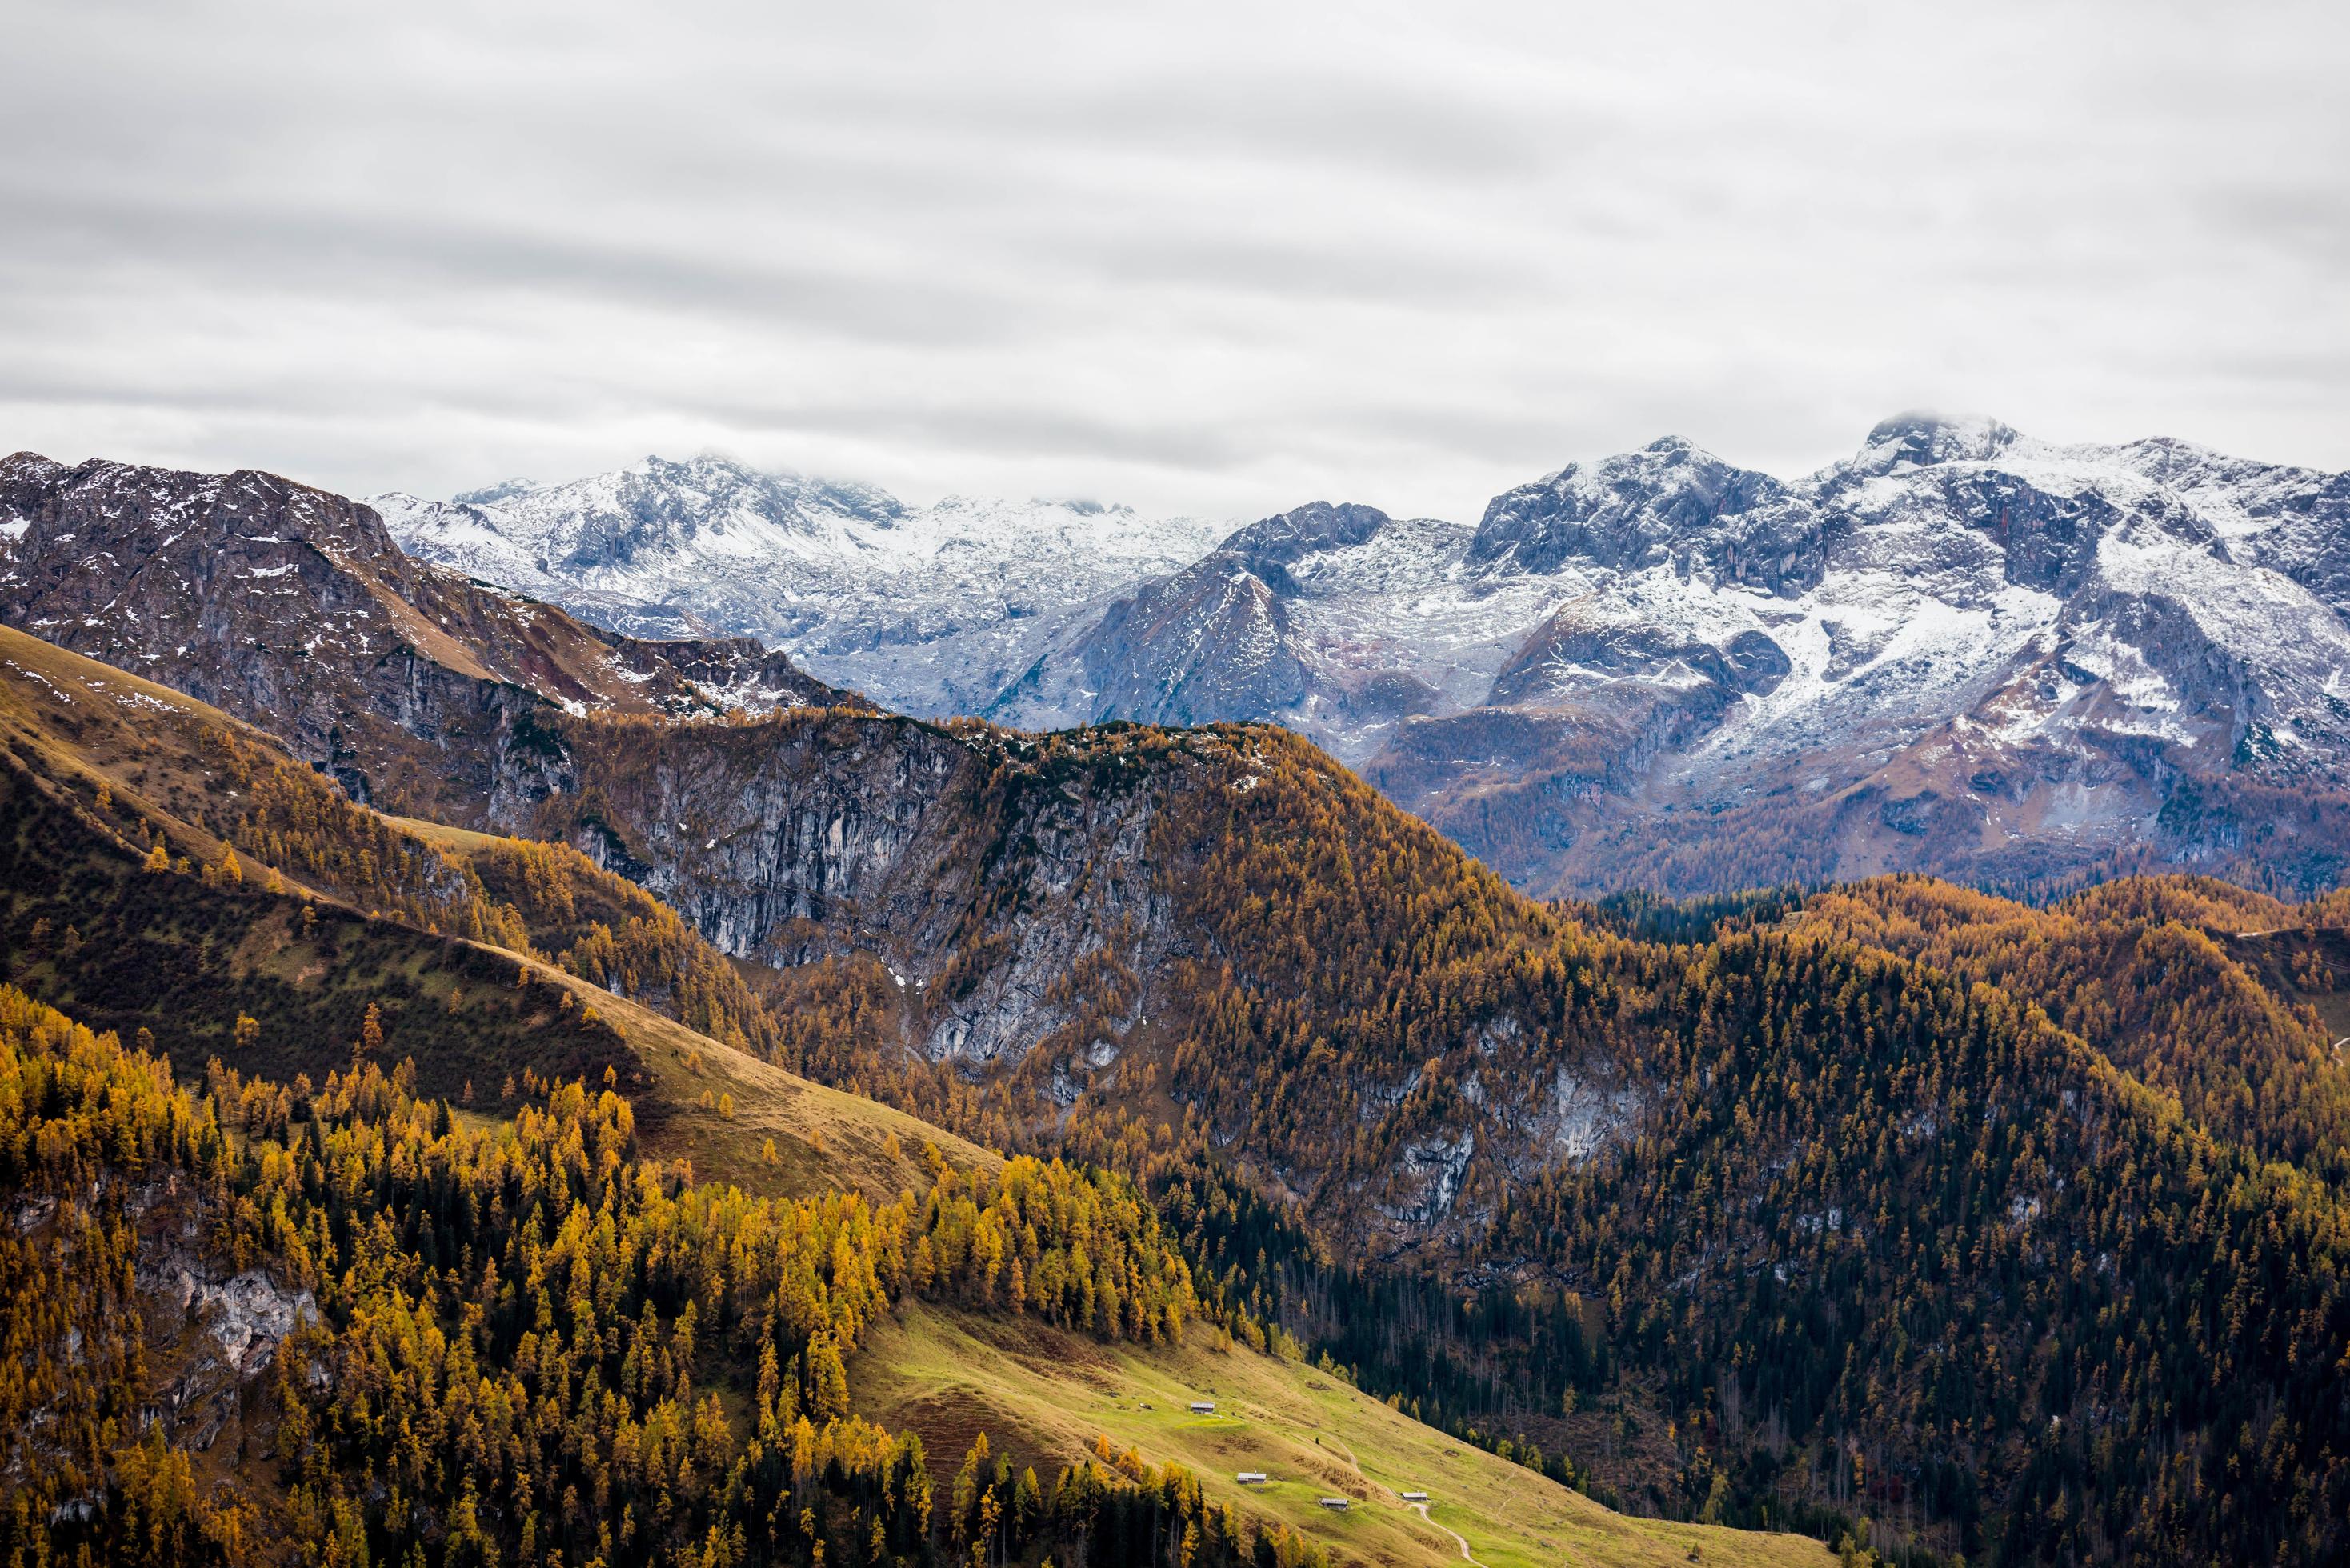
1049 1396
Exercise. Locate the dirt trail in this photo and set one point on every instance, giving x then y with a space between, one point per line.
1419 1508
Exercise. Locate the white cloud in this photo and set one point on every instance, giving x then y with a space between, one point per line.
1224 261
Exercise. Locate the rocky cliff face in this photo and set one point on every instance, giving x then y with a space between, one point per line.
207 1329
418 687
1670 504
984 871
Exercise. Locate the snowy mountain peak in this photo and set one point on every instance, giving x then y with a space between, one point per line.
940 606
1622 511
1962 649
1923 438
491 494
1316 525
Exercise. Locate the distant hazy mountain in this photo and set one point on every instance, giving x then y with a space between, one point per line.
933 609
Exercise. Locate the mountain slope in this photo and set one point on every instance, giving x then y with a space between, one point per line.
949 1375
1924 1219
293 608
92 754
102 767
341 1259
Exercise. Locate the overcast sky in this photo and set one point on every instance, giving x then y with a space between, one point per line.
1211 260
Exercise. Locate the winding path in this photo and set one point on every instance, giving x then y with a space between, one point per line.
1419 1508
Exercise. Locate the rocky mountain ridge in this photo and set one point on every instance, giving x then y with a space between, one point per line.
1963 649
939 606
293 608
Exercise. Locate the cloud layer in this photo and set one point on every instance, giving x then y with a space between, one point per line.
1219 260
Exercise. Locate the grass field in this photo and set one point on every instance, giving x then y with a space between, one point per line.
1047 1394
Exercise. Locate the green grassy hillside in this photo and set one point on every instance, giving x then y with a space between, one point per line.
1047 1395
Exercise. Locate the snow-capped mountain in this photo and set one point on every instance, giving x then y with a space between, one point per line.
931 610
1962 649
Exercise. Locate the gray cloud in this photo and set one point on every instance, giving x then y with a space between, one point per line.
1218 261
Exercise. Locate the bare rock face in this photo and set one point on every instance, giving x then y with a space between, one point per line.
417 686
224 1330
984 869
1268 548
1570 654
2291 520
207 1330
1206 645
1668 503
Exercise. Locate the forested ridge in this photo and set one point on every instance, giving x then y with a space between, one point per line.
1998 1282
1866 1239
521 1343
2142 971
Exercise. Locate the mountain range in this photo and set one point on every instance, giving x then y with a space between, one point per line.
934 608
1895 1213
1961 650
